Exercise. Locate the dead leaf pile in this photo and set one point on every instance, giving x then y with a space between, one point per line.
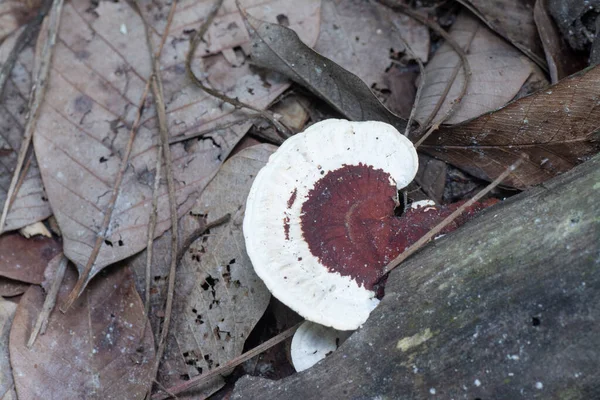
97 164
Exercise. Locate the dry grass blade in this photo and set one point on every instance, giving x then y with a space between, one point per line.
37 96
448 220
395 5
234 102
85 274
223 370
157 89
25 37
50 301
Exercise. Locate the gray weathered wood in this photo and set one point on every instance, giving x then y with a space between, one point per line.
507 307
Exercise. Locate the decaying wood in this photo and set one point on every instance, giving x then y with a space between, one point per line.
507 307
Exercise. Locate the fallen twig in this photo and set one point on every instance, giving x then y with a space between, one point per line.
42 320
225 369
183 138
23 40
157 89
84 275
395 5
449 219
157 173
234 102
38 90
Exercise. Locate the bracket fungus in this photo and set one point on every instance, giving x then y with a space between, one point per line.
313 342
319 222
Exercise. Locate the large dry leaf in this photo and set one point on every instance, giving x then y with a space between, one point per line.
30 204
498 73
7 386
279 49
100 70
556 128
513 20
95 351
26 259
218 297
363 37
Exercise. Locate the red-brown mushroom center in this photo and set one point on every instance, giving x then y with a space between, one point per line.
349 224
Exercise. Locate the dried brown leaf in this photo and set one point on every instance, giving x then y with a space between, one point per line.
431 176
100 71
94 351
7 386
498 73
26 259
279 49
218 298
556 127
513 20
10 287
31 204
363 37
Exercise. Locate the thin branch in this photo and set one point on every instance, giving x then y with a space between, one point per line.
410 51
22 41
448 220
157 90
151 230
193 236
157 174
38 90
196 39
84 275
227 368
183 138
395 5
42 320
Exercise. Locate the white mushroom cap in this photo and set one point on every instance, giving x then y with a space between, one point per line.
313 342
422 204
316 222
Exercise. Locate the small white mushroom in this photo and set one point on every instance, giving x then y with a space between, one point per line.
313 342
319 222
422 204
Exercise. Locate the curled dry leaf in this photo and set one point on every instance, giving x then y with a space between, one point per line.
26 259
99 76
279 49
218 297
10 287
498 73
556 127
7 386
96 350
364 38
30 204
513 20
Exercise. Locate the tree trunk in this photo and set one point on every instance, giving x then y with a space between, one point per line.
507 307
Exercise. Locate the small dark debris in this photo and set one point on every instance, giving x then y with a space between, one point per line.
283 20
